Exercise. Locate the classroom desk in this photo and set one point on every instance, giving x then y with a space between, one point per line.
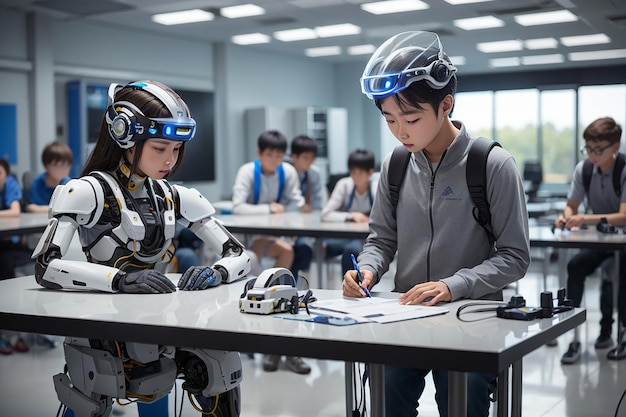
542 236
295 224
211 319
26 224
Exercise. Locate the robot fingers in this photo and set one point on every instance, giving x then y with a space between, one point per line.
199 278
147 281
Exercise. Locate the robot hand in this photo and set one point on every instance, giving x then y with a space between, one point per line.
199 278
147 281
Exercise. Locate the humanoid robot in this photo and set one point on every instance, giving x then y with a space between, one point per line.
126 225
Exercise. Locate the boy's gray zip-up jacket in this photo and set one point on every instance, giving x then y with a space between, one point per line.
435 233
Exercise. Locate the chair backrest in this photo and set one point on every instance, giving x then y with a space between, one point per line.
332 181
533 177
27 180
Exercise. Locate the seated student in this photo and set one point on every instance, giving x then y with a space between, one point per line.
351 201
303 154
57 160
268 185
13 252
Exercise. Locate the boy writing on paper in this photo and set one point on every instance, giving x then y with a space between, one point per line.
443 253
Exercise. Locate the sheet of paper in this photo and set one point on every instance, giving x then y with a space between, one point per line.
380 310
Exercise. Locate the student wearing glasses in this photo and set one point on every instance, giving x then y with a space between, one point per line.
57 160
602 142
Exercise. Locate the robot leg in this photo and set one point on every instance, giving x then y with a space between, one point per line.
212 380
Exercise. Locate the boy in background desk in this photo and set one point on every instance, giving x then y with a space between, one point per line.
269 185
443 254
303 154
602 142
57 160
351 201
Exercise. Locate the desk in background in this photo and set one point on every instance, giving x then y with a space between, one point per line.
26 224
296 224
211 319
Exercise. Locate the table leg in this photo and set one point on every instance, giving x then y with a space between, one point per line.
503 393
319 261
377 389
562 267
620 350
457 394
516 388
348 383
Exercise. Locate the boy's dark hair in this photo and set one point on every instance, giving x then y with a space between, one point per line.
57 152
303 143
272 139
419 91
604 128
361 158
5 164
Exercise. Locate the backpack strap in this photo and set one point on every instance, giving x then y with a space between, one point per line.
620 161
476 176
397 169
587 172
257 181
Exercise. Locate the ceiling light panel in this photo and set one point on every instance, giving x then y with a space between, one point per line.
323 51
541 43
337 30
394 6
546 18
504 62
293 35
457 2
596 39
361 49
243 10
500 46
543 59
596 55
183 17
476 23
251 39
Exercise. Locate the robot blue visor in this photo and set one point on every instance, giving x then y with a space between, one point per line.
174 129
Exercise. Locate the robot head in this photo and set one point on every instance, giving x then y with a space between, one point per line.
404 59
127 123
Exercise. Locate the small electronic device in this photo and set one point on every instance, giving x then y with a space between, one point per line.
273 291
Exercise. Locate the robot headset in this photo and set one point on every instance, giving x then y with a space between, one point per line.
403 59
127 124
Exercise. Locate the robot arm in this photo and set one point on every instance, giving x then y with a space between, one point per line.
196 212
79 202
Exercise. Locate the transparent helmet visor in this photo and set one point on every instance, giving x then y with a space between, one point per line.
402 60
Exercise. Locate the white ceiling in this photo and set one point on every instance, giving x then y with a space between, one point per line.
595 16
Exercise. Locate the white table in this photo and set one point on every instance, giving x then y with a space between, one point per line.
211 319
25 224
296 224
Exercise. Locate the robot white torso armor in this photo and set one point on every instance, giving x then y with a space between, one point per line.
127 224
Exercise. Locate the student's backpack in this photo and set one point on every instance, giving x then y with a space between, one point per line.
617 175
475 171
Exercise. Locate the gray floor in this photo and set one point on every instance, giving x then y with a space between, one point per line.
590 388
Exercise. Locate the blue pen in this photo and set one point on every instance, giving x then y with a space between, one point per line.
358 273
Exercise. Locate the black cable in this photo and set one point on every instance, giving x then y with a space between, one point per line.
480 310
619 403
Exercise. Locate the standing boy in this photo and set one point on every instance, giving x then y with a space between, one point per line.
267 185
443 253
602 141
351 201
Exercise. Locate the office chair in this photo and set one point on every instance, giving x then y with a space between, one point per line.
533 177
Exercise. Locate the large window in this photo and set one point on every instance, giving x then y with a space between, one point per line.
541 125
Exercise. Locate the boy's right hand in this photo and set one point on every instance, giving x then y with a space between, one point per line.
276 207
351 287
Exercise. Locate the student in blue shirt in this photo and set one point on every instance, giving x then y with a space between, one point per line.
13 252
351 201
57 160
269 185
